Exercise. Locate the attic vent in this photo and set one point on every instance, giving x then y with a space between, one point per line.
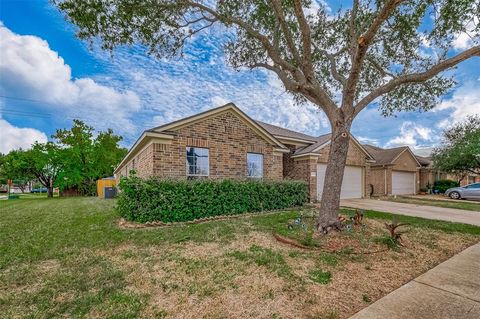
229 129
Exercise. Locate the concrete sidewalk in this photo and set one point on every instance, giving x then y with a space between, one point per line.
424 211
450 290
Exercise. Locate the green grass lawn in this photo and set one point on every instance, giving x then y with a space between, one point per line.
440 203
67 257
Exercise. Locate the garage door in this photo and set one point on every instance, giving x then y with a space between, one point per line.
403 183
352 181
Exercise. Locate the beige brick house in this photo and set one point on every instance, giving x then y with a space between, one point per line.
395 171
429 174
226 143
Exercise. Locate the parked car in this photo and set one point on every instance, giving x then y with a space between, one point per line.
471 191
39 190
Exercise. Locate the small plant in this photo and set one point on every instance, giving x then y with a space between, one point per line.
321 277
395 235
366 298
308 240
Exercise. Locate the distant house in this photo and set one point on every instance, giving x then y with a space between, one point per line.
395 171
224 142
429 174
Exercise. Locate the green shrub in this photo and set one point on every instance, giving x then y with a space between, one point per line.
163 200
442 185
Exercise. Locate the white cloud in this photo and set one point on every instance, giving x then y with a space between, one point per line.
410 135
423 151
464 40
30 69
464 102
15 137
367 140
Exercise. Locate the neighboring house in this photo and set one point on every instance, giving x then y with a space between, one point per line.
226 143
395 171
428 174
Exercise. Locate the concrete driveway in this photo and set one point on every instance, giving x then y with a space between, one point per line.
430 212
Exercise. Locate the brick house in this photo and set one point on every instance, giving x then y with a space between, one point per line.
429 174
224 142
395 171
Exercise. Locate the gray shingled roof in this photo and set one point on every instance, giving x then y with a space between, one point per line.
425 161
310 148
280 131
384 156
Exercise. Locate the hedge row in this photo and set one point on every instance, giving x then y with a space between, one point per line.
177 201
442 185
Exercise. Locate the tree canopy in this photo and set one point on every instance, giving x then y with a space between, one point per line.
391 49
460 152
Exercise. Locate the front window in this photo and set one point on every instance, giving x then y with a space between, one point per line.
254 165
197 161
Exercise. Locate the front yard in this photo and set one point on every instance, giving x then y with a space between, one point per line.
69 258
429 201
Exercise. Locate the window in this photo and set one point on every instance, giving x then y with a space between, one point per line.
197 161
254 165
477 185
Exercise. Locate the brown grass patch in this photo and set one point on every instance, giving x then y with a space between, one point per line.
208 280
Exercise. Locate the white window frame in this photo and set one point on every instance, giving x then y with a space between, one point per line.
187 165
262 166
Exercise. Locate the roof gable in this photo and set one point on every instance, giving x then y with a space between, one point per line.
230 107
323 141
388 156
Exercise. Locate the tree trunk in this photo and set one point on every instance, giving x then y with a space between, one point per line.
50 188
330 204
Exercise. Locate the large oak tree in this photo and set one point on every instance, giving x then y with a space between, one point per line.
392 52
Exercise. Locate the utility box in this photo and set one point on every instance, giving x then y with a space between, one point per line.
109 192
105 182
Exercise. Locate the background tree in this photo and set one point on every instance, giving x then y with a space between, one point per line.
460 151
86 158
45 161
107 153
392 50
14 166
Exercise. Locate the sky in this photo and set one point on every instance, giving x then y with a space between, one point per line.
48 77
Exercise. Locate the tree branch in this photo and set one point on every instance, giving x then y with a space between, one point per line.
353 32
277 9
274 55
362 46
416 77
307 65
320 96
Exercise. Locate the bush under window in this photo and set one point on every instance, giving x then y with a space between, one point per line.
154 199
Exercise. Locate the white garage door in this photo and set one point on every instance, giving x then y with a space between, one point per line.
352 181
403 183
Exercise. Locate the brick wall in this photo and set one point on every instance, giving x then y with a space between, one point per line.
355 156
228 140
303 170
405 162
377 179
289 162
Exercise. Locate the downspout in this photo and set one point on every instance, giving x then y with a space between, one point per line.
385 175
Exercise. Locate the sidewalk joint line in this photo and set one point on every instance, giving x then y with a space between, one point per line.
453 293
